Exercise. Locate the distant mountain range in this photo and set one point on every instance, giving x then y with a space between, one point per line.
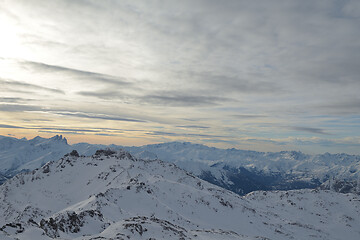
113 195
240 171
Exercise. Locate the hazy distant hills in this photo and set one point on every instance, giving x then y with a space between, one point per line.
114 195
240 171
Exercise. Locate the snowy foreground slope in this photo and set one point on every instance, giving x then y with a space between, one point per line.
112 195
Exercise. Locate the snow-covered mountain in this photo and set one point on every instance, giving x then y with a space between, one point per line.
244 171
113 195
240 171
320 165
21 154
18 155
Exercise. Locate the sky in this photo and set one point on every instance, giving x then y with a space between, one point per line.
259 75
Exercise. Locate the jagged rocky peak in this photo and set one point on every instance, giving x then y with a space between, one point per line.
53 140
121 154
59 138
105 152
73 153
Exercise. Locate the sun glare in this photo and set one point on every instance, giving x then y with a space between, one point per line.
10 42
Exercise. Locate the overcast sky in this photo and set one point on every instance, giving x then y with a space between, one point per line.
260 75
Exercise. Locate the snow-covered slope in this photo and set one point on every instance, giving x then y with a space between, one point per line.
112 195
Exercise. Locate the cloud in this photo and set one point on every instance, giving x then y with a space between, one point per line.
14 85
220 141
228 65
31 108
109 95
351 9
14 100
163 133
229 84
8 126
193 126
36 120
97 116
347 142
51 128
61 132
332 144
68 129
182 99
19 108
56 129
179 98
342 106
248 116
106 134
75 73
271 141
309 129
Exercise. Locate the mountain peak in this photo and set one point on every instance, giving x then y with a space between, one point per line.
59 138
37 138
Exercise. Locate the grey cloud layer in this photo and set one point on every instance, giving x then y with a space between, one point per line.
283 64
275 48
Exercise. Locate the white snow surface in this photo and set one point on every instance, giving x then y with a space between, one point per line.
112 195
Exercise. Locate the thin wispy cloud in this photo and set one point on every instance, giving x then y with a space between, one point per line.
95 131
109 94
19 108
178 99
8 126
15 85
162 133
76 74
14 100
193 126
248 116
102 117
63 112
310 130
